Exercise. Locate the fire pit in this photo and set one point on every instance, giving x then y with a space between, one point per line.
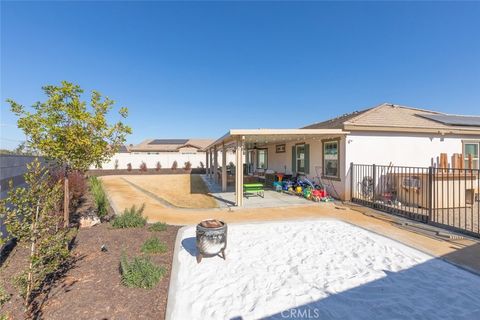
211 239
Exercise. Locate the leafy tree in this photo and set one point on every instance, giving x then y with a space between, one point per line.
65 129
30 216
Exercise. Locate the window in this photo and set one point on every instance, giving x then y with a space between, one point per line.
262 158
300 160
331 159
471 149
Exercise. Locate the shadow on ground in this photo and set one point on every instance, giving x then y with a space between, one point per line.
190 245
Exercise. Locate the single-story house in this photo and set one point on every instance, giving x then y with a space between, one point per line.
163 151
385 134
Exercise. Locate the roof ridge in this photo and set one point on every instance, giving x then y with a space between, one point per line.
366 111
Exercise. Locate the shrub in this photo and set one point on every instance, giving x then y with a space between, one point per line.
99 196
77 184
202 165
159 166
174 165
4 296
153 246
157 226
140 272
188 165
129 166
38 229
131 218
143 167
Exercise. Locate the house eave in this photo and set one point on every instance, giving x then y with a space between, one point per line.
442 131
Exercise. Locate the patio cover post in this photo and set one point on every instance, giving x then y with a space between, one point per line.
239 174
215 164
224 168
211 164
207 163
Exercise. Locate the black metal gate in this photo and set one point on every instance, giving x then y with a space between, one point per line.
447 198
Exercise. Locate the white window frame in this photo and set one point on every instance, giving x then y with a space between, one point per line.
297 157
324 158
477 158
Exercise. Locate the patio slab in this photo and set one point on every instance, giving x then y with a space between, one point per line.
271 199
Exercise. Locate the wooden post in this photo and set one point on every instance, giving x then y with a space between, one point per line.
215 164
207 169
443 161
211 164
224 168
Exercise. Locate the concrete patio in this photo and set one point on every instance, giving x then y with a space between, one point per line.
271 199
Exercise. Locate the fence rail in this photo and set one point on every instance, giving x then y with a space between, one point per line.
447 198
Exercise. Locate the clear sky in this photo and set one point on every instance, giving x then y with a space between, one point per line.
198 69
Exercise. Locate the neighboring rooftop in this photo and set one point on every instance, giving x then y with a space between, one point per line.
391 117
123 149
169 145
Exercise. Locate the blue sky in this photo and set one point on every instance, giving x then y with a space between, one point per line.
197 69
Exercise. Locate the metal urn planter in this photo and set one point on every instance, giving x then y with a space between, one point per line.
211 239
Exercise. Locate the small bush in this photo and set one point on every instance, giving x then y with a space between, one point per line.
129 167
143 167
140 272
4 296
188 165
153 246
77 184
159 166
101 201
157 226
174 165
131 218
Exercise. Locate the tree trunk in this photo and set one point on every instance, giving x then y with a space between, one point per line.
33 249
66 203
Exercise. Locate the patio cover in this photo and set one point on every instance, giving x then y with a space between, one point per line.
239 139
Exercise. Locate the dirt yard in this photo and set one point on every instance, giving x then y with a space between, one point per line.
179 190
91 288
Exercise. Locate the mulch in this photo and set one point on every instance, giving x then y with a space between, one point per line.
91 288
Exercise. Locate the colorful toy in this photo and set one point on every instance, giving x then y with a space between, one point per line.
307 193
277 186
298 189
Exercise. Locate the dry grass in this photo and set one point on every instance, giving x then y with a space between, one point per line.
180 190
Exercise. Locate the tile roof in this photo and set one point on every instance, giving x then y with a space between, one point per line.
391 116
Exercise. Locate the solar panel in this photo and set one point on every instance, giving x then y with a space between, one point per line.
473 121
168 141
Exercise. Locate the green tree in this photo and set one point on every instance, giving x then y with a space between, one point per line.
65 129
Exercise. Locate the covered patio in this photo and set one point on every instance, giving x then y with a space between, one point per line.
252 161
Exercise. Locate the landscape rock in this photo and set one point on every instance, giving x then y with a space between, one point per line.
87 222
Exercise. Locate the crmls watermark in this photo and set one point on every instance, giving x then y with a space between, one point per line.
301 313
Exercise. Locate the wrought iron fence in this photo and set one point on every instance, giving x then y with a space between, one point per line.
447 198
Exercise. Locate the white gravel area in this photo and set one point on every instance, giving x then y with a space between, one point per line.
317 269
